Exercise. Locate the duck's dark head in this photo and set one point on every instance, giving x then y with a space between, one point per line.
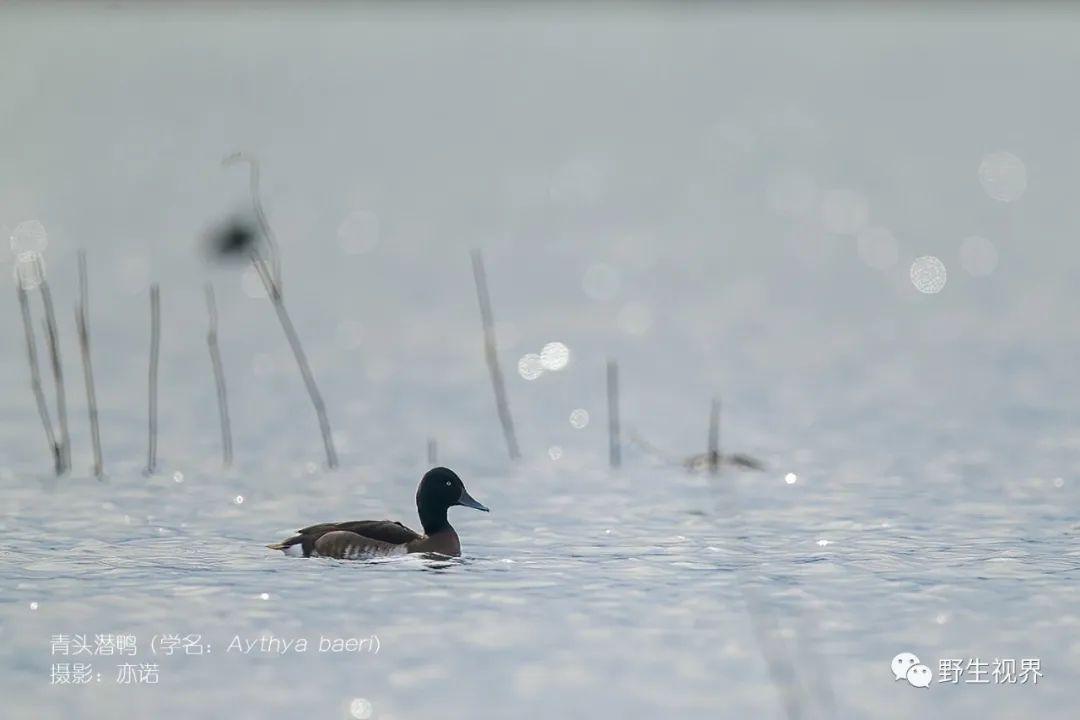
439 490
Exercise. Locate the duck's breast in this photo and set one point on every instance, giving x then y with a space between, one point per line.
444 542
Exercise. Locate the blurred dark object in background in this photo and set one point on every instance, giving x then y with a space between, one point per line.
236 239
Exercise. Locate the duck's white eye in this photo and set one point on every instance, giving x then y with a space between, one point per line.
449 483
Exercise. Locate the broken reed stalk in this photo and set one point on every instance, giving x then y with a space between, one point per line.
260 214
614 442
701 460
487 319
52 338
714 437
219 377
82 324
432 452
35 378
155 351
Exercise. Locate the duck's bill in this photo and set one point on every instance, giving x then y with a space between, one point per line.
467 500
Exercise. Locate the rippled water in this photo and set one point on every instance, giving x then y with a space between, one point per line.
582 593
756 228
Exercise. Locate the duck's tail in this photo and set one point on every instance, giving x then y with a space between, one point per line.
295 545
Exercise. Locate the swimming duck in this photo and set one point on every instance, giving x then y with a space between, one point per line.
439 489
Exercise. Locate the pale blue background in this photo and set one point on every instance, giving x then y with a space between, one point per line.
934 436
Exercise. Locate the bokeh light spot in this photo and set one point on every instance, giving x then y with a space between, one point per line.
29 236
928 274
530 366
360 708
554 356
1003 176
579 418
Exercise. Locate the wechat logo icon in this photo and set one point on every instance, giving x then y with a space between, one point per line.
906 666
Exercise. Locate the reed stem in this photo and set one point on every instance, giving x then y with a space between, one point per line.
614 440
487 319
219 377
82 323
155 352
301 358
52 337
35 379
714 437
